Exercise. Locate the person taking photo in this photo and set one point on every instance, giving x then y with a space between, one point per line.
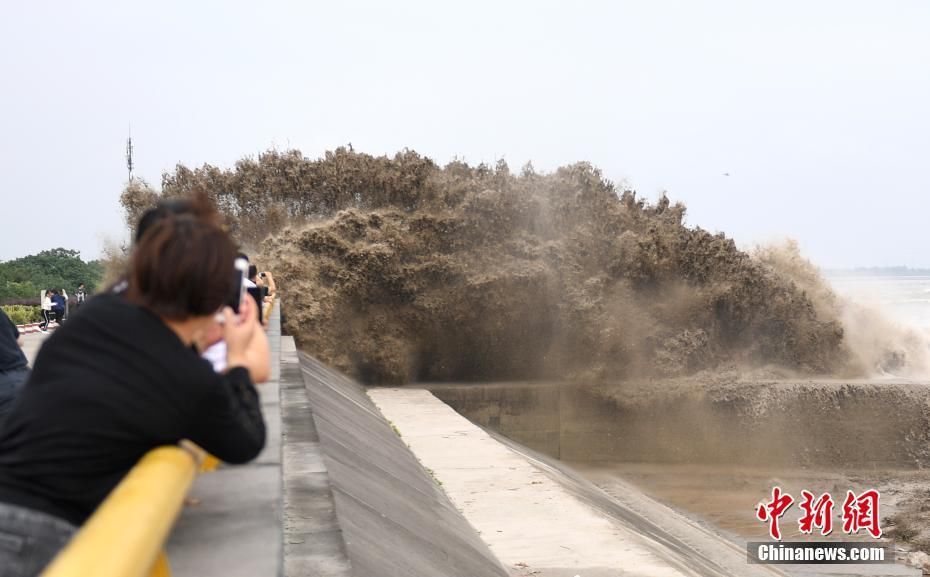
123 378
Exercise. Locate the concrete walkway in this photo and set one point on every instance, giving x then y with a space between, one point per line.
313 539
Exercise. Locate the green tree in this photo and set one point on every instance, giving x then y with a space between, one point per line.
24 277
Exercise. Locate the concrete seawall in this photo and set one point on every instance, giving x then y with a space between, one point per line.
417 490
540 519
395 520
791 424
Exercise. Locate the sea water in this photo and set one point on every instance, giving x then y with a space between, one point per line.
903 298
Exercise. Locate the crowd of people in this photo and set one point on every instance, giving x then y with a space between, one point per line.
130 371
55 305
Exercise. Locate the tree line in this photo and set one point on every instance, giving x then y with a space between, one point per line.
21 279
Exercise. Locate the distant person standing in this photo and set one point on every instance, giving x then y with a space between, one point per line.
269 290
46 306
270 287
254 287
14 368
80 296
64 294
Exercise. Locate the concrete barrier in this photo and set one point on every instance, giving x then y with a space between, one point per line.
394 519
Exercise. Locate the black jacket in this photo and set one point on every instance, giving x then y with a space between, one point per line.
105 389
11 356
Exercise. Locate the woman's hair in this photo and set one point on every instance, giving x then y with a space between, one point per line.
182 264
174 206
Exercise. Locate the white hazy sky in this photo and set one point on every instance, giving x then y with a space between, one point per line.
818 110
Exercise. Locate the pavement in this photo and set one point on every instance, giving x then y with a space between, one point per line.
313 540
31 344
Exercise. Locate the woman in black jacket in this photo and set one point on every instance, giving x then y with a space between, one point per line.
121 379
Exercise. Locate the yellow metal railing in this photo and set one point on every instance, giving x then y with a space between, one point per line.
125 535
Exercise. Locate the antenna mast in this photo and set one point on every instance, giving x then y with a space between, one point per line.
129 163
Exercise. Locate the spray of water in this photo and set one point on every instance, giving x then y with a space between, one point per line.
878 346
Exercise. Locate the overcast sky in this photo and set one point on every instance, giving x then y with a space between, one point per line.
818 111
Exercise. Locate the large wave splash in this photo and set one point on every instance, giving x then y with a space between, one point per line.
396 269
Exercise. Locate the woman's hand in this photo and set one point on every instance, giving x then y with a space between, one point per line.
246 343
209 337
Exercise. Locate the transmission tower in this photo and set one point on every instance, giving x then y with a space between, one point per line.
129 164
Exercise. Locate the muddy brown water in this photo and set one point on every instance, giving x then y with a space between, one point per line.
783 424
715 452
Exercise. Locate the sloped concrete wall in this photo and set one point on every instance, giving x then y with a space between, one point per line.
395 520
